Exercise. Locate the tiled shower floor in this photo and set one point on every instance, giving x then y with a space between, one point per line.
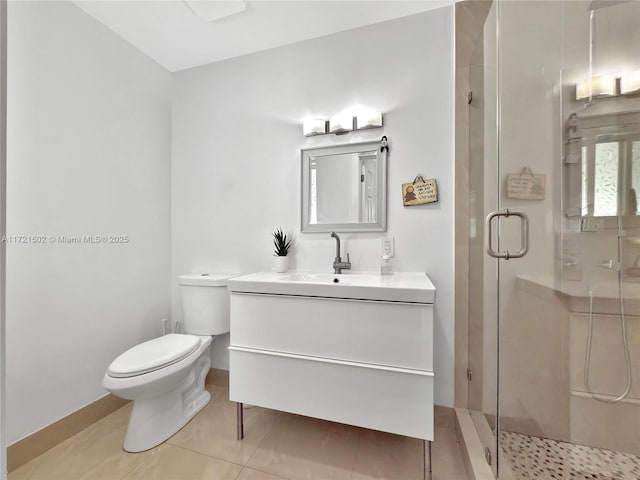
545 459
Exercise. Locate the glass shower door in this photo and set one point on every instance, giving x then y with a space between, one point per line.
568 312
532 325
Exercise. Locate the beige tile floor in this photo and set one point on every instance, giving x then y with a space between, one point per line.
276 446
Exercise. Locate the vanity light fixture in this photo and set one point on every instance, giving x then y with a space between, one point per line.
369 119
342 123
314 126
630 83
600 86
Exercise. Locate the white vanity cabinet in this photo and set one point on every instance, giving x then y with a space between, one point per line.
360 362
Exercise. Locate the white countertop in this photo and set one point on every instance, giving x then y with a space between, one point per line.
410 287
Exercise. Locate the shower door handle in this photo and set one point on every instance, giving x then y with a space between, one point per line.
524 234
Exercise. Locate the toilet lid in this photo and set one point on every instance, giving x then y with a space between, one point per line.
154 354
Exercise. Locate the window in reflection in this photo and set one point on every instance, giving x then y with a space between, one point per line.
635 176
585 181
608 149
606 179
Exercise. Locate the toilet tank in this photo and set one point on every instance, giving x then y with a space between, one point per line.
205 303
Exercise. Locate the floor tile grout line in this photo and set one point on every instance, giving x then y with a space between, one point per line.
203 454
186 450
261 471
355 456
133 468
239 473
166 442
143 460
262 439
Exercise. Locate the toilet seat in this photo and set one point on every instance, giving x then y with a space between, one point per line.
153 355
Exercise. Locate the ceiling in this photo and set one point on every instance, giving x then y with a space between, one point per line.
172 34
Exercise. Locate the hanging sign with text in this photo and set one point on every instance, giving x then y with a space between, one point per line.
526 185
419 192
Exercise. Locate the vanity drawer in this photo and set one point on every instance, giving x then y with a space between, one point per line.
381 398
381 333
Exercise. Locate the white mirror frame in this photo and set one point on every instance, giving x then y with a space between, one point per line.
381 204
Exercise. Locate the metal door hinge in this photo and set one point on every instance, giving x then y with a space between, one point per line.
487 455
469 374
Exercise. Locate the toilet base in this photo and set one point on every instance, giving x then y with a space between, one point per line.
155 419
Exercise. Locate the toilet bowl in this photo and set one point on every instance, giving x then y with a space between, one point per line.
165 376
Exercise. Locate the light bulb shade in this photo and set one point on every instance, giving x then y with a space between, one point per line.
601 86
369 120
341 123
314 126
630 83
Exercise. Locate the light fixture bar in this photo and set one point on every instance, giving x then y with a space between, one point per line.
342 123
314 126
368 120
600 86
630 83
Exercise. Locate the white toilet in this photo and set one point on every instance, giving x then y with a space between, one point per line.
165 376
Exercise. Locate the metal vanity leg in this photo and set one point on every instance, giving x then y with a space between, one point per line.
240 415
427 459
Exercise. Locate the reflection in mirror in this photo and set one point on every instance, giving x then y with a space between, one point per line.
343 188
610 157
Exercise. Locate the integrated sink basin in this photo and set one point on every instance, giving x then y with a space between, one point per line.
344 279
412 287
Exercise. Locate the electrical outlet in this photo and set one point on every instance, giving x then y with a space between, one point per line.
387 246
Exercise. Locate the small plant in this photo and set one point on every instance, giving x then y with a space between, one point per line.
281 243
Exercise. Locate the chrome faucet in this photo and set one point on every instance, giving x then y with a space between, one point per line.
338 264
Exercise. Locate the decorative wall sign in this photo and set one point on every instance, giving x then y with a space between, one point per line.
525 185
420 191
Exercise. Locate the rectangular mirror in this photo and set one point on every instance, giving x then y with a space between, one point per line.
344 188
609 153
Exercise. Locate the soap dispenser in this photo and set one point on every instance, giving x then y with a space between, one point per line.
385 265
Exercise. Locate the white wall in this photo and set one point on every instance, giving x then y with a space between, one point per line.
88 153
3 224
237 134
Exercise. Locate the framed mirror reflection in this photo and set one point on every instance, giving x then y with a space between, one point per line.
608 147
344 188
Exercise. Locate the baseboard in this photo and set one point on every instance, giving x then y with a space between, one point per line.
45 439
